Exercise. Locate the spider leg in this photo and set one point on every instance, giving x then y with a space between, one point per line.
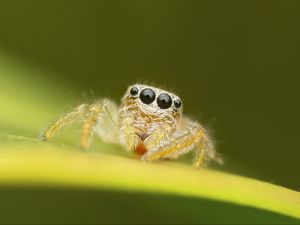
101 117
128 135
89 122
158 136
101 113
192 135
171 149
201 151
64 121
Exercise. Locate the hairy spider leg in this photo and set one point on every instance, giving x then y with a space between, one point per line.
64 121
190 137
128 135
90 114
89 122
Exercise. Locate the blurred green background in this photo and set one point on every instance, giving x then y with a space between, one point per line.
234 63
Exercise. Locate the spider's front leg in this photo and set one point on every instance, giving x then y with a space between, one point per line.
191 135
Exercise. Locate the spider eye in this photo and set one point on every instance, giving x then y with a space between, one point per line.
134 91
164 101
147 96
177 103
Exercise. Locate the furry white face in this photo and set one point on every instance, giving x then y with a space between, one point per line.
153 101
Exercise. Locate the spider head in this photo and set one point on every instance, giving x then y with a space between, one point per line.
152 101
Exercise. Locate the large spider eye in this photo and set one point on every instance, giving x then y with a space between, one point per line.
177 103
164 101
147 96
134 91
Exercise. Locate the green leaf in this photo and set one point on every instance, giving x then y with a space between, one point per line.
55 182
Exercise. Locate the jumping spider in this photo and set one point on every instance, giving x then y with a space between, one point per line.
149 122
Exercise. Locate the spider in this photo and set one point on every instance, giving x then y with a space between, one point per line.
148 122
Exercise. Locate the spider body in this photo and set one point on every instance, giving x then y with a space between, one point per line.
149 122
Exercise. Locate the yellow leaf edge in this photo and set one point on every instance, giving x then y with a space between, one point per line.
50 165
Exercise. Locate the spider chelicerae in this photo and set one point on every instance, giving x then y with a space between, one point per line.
149 121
